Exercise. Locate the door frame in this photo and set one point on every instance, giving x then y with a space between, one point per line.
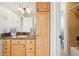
55 41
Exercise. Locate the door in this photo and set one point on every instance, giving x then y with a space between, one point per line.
42 31
18 47
18 50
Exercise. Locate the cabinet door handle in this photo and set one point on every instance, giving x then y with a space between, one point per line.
5 41
37 9
30 42
18 41
23 45
5 48
30 48
37 35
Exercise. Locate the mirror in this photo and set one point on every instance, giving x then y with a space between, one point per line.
22 22
28 23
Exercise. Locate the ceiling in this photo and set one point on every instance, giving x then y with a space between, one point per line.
13 6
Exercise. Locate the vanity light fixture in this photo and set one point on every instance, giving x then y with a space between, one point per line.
24 10
28 10
19 8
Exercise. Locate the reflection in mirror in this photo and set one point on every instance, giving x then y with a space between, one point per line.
28 23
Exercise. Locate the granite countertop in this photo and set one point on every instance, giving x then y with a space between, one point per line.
20 37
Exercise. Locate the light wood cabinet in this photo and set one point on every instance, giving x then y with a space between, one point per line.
18 50
7 41
6 54
42 31
18 41
18 47
6 47
30 48
30 53
42 6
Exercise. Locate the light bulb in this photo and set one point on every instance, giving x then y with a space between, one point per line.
19 8
28 10
22 11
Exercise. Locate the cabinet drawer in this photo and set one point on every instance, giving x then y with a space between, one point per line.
30 49
18 42
6 48
30 42
30 54
6 54
6 41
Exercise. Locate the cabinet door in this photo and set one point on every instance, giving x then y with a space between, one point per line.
18 50
42 6
42 31
30 47
6 50
6 54
6 47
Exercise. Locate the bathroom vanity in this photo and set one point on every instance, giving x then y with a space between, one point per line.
19 46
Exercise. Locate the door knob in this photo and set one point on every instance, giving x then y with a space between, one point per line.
60 36
5 48
30 48
37 35
23 45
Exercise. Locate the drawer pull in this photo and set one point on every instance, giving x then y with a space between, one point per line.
30 48
18 41
24 46
5 48
5 41
30 42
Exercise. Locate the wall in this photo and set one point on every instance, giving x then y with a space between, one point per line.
8 20
73 26
0 47
52 43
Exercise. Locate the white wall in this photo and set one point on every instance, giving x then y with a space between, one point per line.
8 20
51 29
0 47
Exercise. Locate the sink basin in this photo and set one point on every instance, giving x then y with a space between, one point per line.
21 36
